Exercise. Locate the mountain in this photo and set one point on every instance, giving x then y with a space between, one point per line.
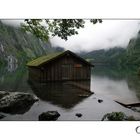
132 55
117 56
105 57
17 46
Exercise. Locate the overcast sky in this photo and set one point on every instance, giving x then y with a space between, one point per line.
108 34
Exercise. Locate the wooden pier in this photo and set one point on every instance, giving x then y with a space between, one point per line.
129 105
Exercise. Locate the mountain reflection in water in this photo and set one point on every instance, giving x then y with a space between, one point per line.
117 83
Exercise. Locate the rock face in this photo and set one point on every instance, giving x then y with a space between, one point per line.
78 115
1 116
3 93
100 101
49 116
16 102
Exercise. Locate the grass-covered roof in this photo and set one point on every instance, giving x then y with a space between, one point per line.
47 58
43 59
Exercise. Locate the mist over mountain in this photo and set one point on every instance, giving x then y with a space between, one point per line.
108 34
117 55
18 46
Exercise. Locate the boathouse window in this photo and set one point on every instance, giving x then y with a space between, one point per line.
77 65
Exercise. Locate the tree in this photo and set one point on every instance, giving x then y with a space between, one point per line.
63 28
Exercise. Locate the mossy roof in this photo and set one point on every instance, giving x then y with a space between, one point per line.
43 59
49 57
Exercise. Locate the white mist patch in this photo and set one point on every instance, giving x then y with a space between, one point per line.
13 22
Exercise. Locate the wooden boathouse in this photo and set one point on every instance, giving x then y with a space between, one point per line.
59 67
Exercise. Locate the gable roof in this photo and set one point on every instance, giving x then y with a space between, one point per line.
47 58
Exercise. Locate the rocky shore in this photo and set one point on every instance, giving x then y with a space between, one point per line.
16 102
19 102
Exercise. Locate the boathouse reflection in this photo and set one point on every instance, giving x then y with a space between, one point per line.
64 94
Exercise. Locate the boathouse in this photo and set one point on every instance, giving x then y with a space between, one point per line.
59 67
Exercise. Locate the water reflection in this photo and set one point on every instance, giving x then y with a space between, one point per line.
108 83
115 72
14 80
114 82
117 83
63 94
134 84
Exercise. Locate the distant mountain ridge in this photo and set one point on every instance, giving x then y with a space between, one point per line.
17 46
117 55
105 57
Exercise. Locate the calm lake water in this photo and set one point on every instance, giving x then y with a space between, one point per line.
108 84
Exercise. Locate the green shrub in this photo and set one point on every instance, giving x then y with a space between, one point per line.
117 116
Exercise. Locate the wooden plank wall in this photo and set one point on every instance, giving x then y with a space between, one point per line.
55 71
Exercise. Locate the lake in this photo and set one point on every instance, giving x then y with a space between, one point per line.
107 82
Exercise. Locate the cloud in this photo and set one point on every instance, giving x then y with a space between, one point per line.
13 22
108 34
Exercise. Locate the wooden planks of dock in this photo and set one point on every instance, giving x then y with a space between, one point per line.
129 105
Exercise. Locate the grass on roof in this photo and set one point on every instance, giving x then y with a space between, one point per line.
43 59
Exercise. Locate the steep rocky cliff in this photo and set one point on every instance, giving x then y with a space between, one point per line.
17 46
133 51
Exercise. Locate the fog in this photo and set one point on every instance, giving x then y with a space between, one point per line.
13 22
108 34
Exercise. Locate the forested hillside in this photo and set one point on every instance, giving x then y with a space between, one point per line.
132 55
106 57
117 56
17 46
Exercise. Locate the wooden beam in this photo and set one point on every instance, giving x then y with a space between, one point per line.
129 105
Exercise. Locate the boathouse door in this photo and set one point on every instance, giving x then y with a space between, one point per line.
66 72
